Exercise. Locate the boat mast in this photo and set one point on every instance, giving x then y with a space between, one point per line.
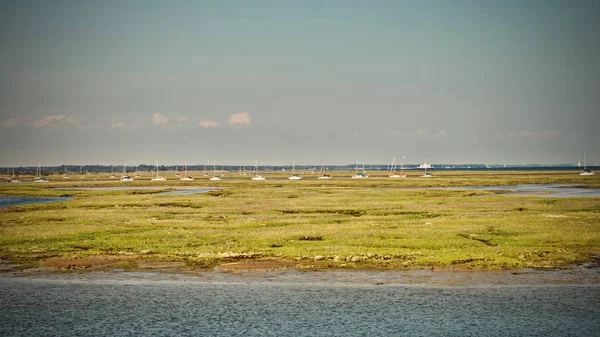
402 164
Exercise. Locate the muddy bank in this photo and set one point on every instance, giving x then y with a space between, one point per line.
281 272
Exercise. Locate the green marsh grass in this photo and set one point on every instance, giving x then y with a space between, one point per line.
341 223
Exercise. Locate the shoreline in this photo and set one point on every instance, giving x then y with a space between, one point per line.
584 274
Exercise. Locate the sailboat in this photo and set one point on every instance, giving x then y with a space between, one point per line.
357 175
38 175
586 172
14 179
112 174
294 176
214 177
426 166
158 178
393 170
257 177
125 177
66 175
402 167
185 175
322 172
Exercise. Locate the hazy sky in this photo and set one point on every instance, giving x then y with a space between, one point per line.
455 81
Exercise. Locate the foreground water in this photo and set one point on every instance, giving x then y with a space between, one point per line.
82 307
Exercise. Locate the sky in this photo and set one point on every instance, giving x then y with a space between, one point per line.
453 81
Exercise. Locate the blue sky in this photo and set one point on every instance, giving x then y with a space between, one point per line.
104 82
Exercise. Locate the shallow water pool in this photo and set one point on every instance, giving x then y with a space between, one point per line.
18 201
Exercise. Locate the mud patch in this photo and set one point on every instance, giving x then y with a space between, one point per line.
256 265
474 237
92 262
160 264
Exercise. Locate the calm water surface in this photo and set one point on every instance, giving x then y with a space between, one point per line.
33 307
541 190
18 201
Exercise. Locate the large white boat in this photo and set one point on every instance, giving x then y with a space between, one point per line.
158 177
294 176
586 172
426 166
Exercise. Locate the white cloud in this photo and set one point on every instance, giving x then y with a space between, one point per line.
11 123
52 121
208 124
159 119
241 118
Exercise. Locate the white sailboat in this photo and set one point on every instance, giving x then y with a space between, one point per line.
294 176
185 174
322 172
214 177
157 177
426 166
112 174
586 172
393 170
38 175
125 177
257 177
363 174
66 175
14 179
